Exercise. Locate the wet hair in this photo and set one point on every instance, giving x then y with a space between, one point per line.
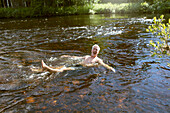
95 45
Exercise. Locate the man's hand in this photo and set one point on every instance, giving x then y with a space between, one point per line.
113 69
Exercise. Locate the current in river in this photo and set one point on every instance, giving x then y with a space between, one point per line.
139 85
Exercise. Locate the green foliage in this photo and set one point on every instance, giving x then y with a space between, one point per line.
110 8
37 8
17 13
73 10
150 6
133 8
161 30
160 6
84 9
144 7
37 11
104 8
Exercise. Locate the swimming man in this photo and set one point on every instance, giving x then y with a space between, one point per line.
88 60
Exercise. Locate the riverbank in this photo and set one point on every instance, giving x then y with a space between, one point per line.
123 8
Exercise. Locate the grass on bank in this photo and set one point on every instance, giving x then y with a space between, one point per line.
53 11
38 11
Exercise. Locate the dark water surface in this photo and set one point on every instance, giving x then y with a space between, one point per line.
139 85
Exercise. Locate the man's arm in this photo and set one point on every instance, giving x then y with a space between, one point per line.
105 65
71 56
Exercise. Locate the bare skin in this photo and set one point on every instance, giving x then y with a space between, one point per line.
89 60
53 70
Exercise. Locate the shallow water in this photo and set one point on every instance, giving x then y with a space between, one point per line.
139 85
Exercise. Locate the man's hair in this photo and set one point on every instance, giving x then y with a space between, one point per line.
95 45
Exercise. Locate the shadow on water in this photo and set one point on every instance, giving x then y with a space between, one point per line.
139 85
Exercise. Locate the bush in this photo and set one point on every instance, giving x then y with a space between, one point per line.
161 30
160 7
144 7
134 8
40 10
110 8
49 11
84 9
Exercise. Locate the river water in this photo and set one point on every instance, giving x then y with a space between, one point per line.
139 84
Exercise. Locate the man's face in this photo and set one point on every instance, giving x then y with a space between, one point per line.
95 51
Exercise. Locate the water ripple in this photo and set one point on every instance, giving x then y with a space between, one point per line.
139 85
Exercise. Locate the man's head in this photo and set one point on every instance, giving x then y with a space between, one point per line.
95 50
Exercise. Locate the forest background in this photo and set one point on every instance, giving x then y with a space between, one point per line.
46 8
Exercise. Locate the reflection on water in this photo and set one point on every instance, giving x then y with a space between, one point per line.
139 85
